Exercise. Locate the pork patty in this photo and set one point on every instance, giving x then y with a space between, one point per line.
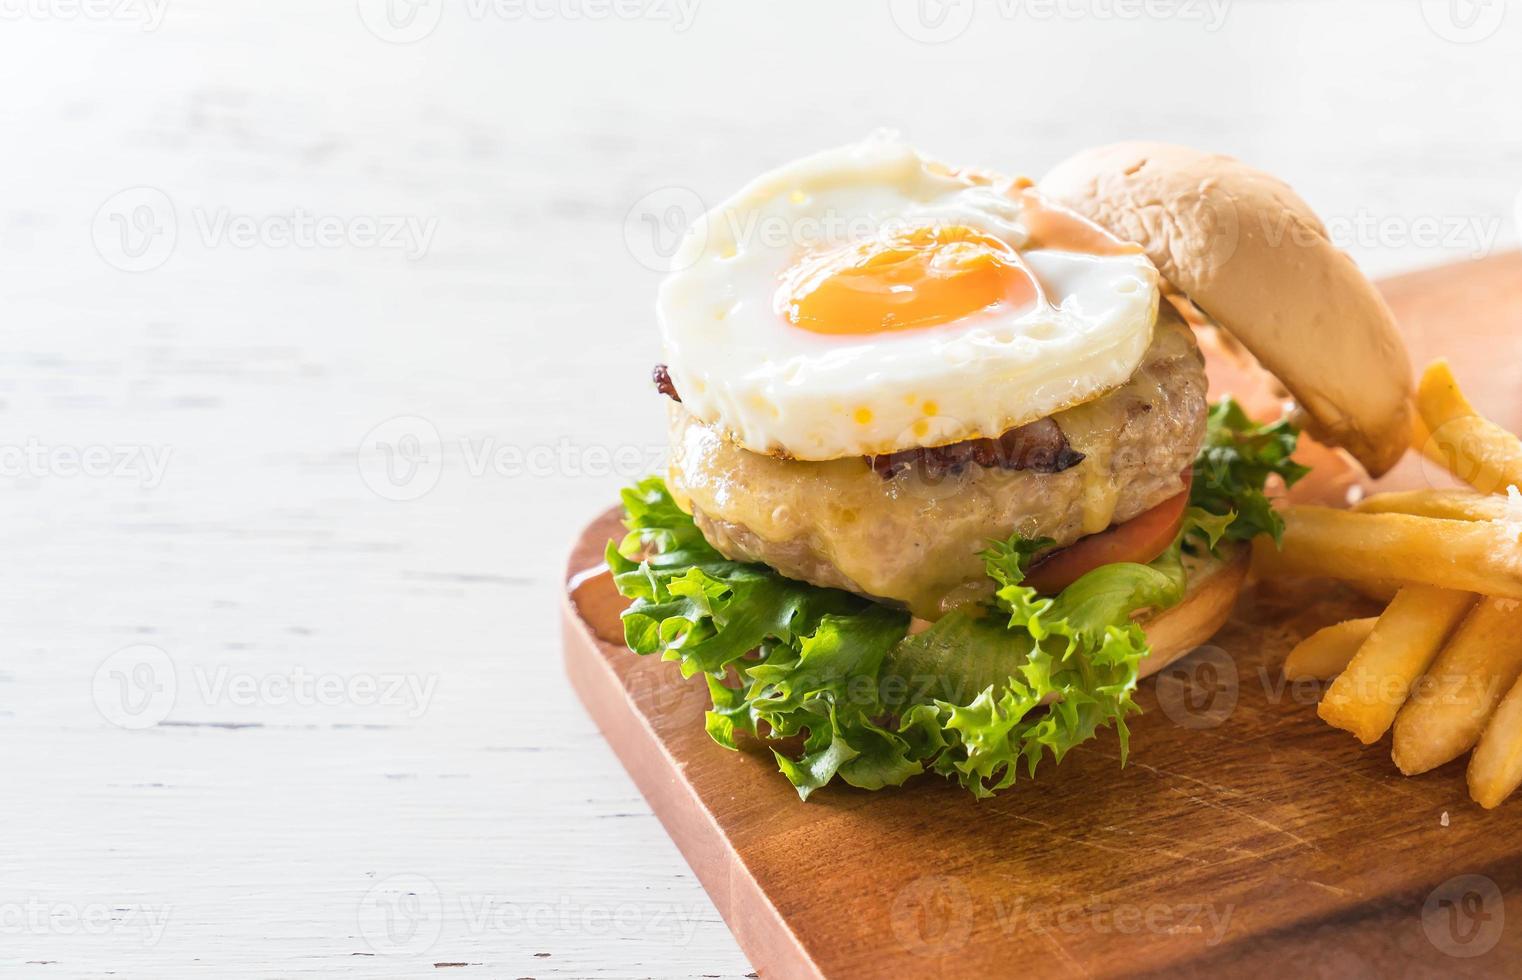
914 538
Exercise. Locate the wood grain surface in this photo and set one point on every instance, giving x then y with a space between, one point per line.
1245 837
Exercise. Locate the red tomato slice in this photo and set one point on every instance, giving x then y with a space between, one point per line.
1140 540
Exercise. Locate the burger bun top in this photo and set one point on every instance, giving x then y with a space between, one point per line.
1246 250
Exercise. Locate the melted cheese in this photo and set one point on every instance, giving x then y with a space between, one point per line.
916 540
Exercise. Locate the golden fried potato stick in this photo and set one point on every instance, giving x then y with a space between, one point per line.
1382 590
1480 453
1450 707
1403 644
1439 399
1467 556
1326 653
1495 769
1450 505
1473 448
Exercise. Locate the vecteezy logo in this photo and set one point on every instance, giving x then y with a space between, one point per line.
135 687
1464 916
661 691
135 230
1464 21
402 458
1201 690
932 21
400 21
932 916
658 224
402 914
1453 450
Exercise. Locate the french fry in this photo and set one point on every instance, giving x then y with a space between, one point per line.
1467 556
1449 708
1421 441
1473 448
1495 769
1448 505
1403 644
1439 399
1480 453
1326 653
1382 590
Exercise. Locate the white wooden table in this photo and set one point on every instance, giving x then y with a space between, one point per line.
320 346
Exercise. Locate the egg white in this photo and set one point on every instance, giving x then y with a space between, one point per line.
775 388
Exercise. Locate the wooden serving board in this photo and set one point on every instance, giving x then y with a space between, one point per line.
1245 837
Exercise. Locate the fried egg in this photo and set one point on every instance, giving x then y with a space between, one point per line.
868 300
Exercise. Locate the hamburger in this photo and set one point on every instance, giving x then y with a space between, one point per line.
945 480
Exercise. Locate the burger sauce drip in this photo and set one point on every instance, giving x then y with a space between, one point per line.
1050 225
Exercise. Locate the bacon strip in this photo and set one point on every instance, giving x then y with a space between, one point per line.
1038 446
662 379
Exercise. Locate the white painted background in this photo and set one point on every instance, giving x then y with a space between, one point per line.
226 832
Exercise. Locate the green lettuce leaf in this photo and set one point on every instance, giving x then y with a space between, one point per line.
836 686
1234 466
838 689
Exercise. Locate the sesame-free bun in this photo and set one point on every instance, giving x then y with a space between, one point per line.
1254 257
1214 583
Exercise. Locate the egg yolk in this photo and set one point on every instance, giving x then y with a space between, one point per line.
917 277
